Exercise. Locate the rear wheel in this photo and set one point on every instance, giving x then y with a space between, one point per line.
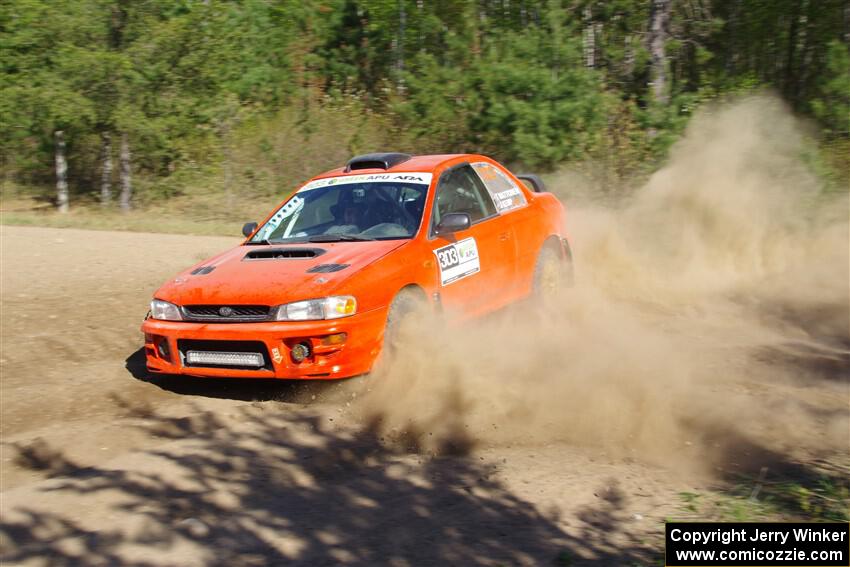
550 275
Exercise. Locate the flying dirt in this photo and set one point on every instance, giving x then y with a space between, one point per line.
699 309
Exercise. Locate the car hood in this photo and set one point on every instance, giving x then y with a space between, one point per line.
273 274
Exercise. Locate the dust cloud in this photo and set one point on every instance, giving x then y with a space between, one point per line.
712 305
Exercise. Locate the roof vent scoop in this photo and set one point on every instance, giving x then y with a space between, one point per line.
376 161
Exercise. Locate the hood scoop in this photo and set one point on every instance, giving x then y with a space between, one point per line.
284 254
327 268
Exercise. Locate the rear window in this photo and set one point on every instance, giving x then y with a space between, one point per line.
505 193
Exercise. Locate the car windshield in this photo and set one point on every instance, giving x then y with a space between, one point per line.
351 208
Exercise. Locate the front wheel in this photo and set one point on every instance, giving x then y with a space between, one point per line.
405 310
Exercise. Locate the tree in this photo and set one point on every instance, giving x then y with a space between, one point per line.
659 16
126 173
106 175
536 82
61 173
44 110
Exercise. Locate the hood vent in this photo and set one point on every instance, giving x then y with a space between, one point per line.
202 271
327 268
284 254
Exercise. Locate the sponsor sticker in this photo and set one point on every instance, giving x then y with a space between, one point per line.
505 199
458 260
276 355
293 207
414 177
505 192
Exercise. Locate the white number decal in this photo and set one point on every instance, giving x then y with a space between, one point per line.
458 260
448 257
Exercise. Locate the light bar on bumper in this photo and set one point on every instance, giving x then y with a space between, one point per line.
204 358
334 307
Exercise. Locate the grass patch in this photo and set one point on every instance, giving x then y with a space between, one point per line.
178 216
824 497
132 222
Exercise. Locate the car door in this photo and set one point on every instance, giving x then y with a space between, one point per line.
474 266
512 206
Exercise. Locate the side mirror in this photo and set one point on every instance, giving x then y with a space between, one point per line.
453 222
248 228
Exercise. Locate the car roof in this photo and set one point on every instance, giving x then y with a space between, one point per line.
423 164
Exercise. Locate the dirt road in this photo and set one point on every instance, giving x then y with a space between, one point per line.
102 464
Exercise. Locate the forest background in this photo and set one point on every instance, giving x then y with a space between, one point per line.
194 115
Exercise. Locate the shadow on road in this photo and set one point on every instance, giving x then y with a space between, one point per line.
279 488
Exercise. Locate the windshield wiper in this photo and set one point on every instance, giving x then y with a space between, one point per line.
255 242
338 238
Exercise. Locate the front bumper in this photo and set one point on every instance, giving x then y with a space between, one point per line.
165 346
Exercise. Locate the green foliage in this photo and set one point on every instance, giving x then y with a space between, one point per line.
518 96
231 93
41 89
832 108
821 498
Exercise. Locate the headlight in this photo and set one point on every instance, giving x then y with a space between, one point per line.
165 311
312 309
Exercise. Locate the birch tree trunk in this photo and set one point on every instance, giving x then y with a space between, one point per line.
106 176
659 15
589 39
61 172
126 178
629 57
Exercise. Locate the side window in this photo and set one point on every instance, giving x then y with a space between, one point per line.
504 192
461 191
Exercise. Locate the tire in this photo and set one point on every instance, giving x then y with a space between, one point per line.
550 275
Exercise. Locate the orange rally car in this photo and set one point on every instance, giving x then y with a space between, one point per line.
317 289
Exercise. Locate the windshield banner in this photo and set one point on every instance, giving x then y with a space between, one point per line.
414 177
